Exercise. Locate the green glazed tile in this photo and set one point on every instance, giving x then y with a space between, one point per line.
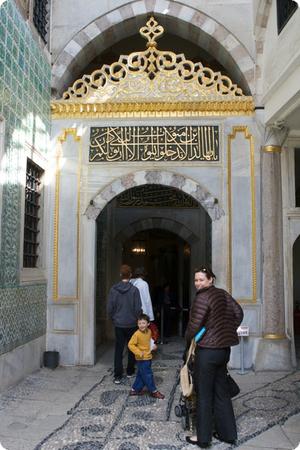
2 51
9 43
2 33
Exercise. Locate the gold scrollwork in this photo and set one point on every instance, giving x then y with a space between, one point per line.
148 65
151 31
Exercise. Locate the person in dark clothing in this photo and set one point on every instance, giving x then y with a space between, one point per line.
124 306
221 315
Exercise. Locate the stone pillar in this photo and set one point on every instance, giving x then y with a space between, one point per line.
274 348
87 276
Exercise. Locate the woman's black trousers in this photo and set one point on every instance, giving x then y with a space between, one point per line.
214 407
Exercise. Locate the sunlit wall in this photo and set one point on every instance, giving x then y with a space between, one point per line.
25 109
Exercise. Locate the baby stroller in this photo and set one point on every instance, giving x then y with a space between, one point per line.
186 409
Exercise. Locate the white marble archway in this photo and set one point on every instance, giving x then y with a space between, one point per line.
126 20
88 241
163 177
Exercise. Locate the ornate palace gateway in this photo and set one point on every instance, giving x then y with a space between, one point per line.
129 137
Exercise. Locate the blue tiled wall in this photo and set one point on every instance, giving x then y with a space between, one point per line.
25 105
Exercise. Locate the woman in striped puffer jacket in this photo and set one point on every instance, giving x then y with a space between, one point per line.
221 315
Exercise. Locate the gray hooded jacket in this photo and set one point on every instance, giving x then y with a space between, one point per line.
124 305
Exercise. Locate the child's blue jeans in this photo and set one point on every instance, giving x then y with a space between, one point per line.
144 377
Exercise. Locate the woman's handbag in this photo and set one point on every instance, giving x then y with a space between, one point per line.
186 378
233 387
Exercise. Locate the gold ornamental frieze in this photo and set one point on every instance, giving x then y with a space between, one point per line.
152 82
70 110
154 143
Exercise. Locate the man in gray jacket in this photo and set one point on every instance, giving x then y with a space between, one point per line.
124 307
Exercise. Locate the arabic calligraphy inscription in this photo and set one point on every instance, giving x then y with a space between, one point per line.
154 143
155 196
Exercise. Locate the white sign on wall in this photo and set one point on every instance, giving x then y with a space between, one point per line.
243 330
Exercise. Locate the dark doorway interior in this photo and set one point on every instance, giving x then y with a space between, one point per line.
166 259
148 216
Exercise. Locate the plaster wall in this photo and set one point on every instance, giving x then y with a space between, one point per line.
281 62
69 17
20 362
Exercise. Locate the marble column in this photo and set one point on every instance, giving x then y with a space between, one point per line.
87 277
274 348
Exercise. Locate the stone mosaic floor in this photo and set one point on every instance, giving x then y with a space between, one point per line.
107 418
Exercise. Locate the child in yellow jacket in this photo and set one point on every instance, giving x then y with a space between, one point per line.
140 345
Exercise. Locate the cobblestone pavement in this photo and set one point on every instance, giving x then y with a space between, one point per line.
81 409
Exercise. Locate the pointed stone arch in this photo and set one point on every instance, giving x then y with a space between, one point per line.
173 226
166 178
127 19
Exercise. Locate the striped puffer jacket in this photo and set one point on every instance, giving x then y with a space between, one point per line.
221 315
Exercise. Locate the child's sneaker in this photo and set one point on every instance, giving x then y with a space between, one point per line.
117 380
157 394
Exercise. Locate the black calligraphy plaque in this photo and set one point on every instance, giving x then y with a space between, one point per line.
154 196
154 143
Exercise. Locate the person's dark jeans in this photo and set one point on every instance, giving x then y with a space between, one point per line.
144 377
213 398
123 335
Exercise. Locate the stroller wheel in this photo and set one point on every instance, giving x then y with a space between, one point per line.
178 411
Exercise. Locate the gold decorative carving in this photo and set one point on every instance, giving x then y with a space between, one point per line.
152 83
249 137
151 32
274 336
66 109
272 149
154 143
69 131
150 64
61 139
